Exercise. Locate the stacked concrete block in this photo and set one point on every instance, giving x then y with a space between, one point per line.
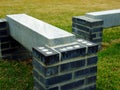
9 48
4 37
70 66
88 28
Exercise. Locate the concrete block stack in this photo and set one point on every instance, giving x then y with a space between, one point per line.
66 67
88 28
4 37
91 25
10 49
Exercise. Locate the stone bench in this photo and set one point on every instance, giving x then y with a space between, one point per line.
91 25
60 61
31 32
110 17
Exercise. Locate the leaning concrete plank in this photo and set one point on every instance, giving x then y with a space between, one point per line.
110 17
31 32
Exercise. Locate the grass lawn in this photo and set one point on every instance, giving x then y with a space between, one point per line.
16 75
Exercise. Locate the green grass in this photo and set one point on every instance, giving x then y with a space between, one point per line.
111 34
109 68
16 75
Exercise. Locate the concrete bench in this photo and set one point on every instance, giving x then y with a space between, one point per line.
91 25
110 17
60 61
31 32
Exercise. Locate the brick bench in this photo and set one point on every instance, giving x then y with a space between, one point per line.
90 26
60 61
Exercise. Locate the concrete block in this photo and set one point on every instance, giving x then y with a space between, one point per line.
92 48
5 45
73 85
92 60
9 48
97 40
91 80
38 86
3 32
52 80
87 36
110 17
82 34
92 70
86 21
31 32
46 55
78 64
5 39
71 51
72 65
58 79
44 70
86 72
87 29
81 73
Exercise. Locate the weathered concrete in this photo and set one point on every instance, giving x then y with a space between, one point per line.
109 17
31 32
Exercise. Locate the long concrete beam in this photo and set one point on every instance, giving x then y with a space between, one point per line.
109 17
31 32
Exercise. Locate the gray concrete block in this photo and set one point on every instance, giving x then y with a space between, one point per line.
92 48
71 51
86 28
89 22
110 18
46 71
31 32
46 55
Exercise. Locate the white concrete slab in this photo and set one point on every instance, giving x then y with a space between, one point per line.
31 32
110 17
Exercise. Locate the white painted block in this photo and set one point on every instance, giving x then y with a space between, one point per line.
110 17
31 32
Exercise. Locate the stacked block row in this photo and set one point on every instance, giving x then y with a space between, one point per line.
9 48
65 67
88 28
